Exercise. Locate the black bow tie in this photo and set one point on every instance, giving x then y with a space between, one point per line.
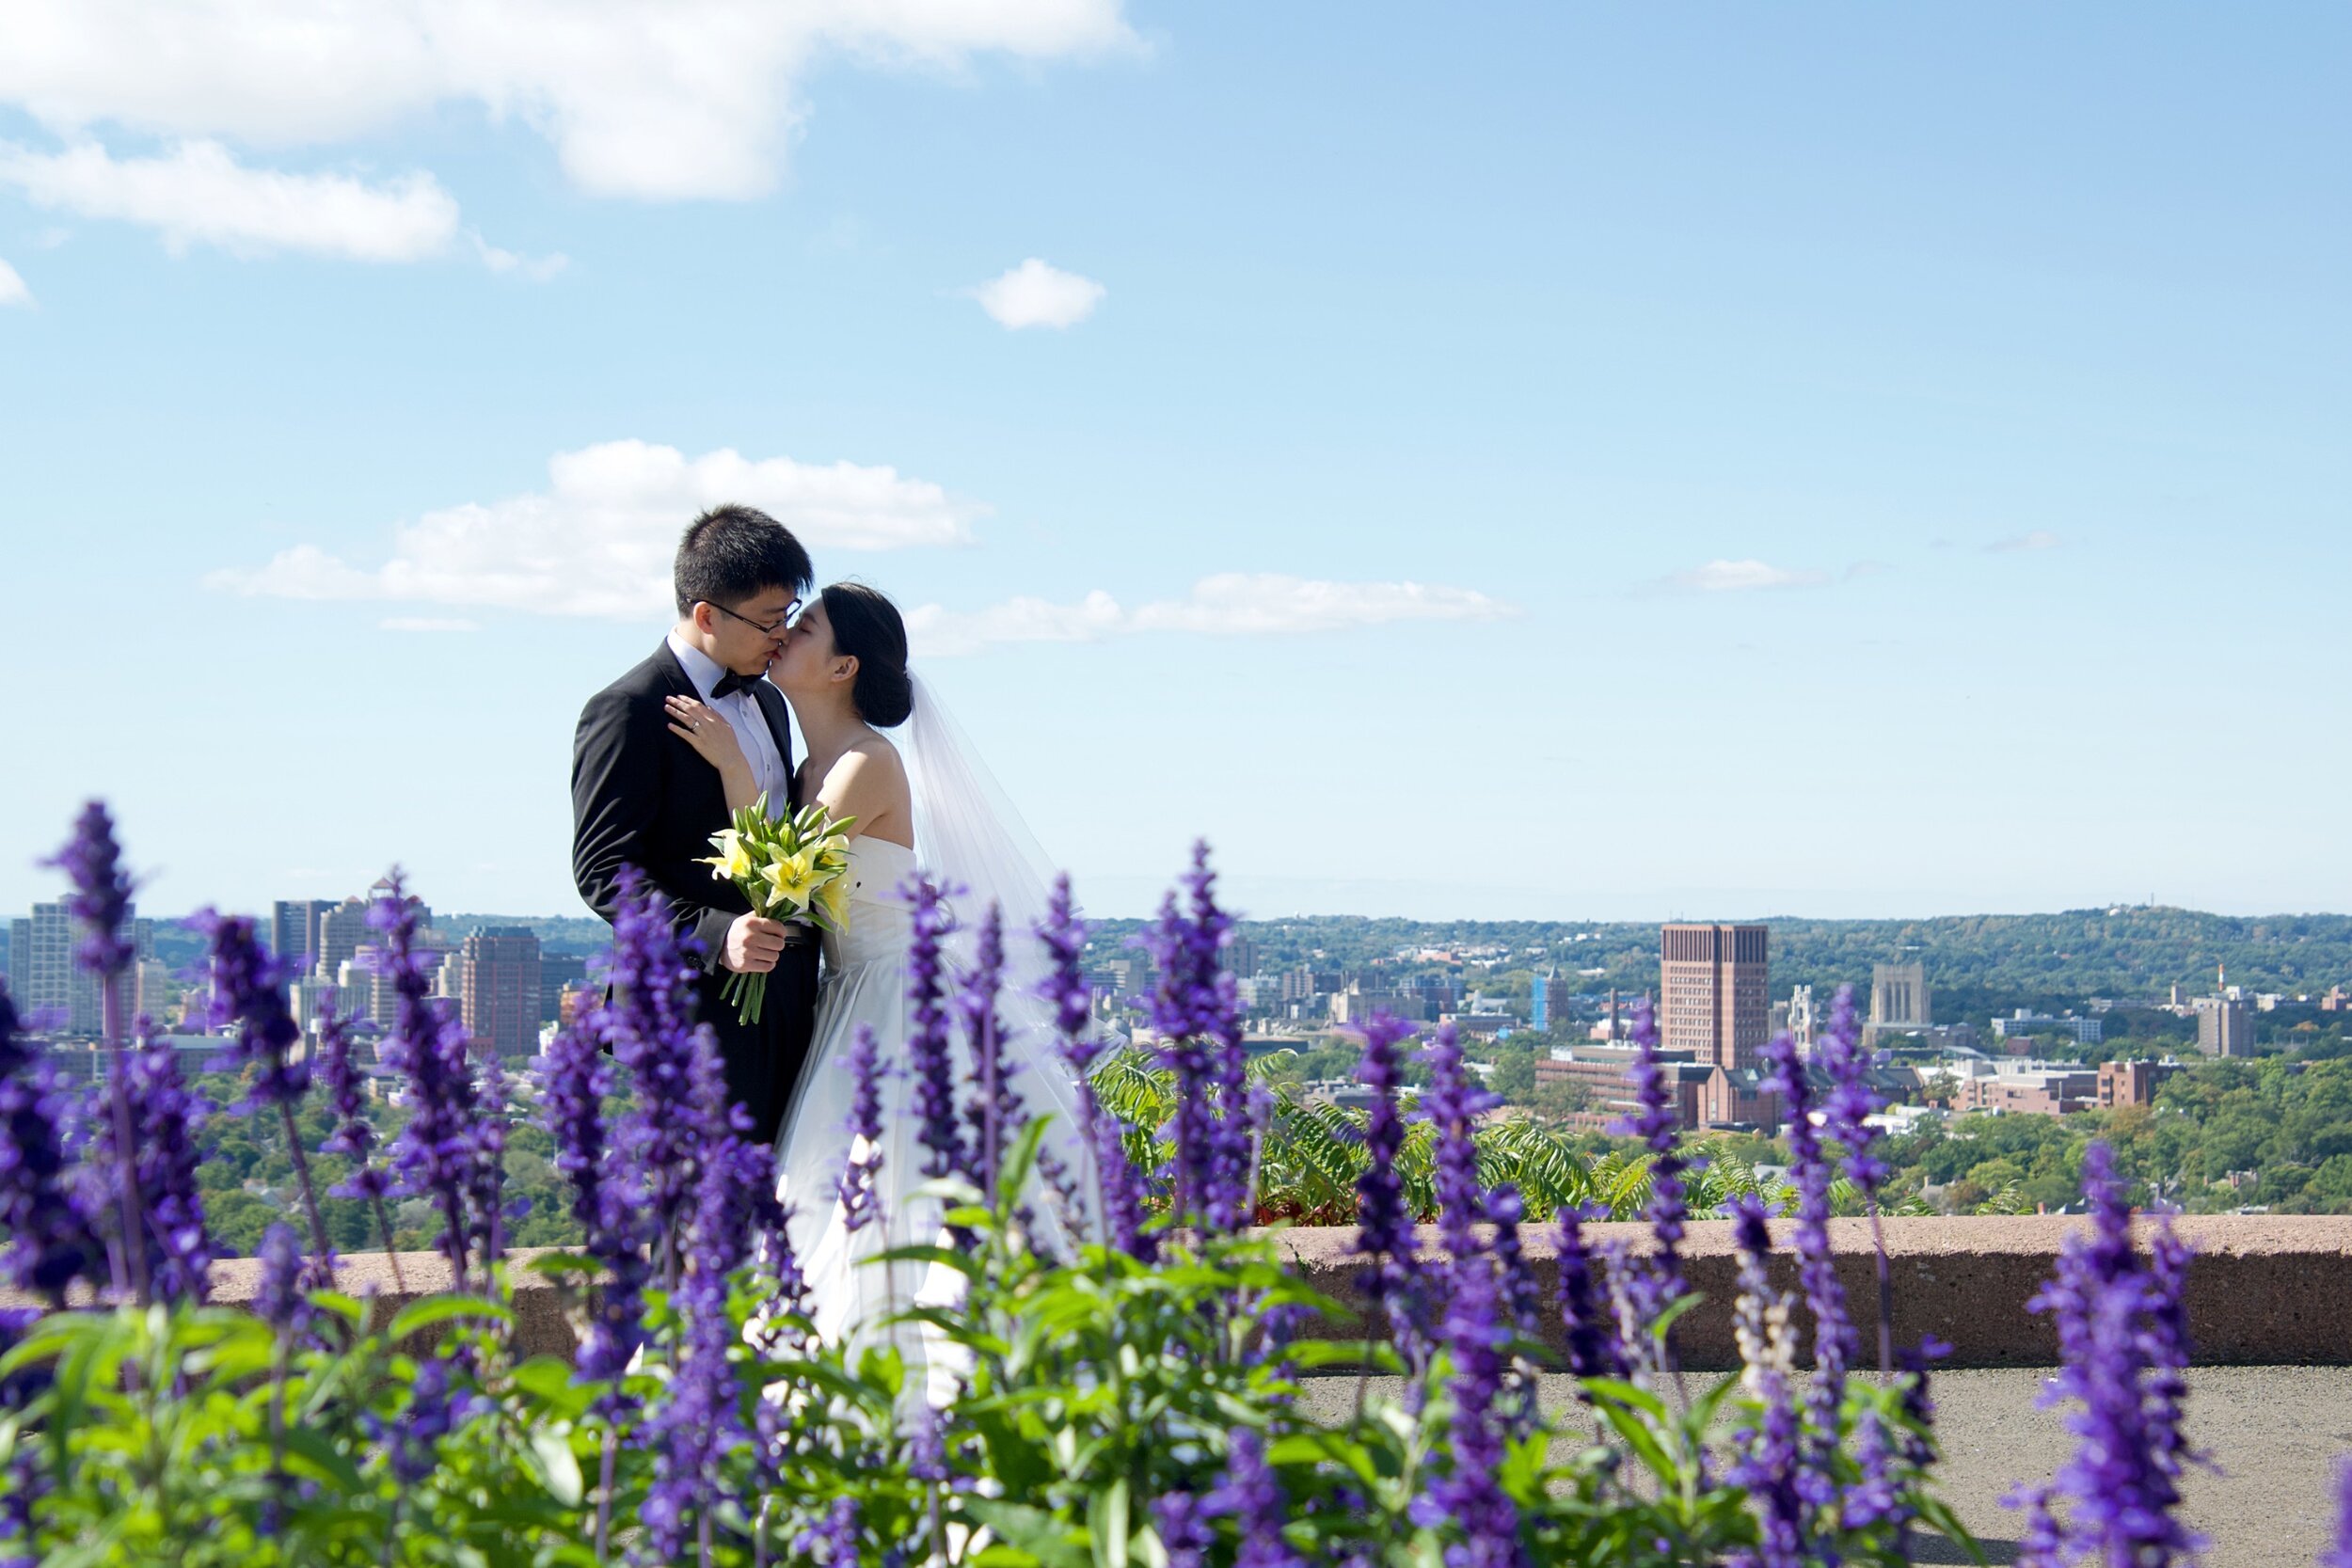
731 683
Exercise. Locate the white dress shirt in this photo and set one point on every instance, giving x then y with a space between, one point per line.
741 710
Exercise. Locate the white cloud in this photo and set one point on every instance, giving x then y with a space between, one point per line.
12 289
683 99
197 194
1732 576
1035 294
538 269
598 540
424 623
2040 539
1229 603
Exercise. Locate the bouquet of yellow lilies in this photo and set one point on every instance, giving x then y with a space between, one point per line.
790 869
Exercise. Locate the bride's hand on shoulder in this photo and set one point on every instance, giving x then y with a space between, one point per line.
705 729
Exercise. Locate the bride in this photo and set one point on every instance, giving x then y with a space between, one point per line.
922 802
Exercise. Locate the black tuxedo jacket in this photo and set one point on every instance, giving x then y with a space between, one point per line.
642 797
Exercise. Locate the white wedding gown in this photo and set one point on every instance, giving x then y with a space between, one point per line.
970 841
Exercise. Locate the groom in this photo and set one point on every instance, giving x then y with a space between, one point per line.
640 797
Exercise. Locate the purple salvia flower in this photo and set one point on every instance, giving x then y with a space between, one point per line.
100 899
1252 1495
1522 1302
1064 987
2166 1341
249 991
1468 1496
101 902
995 1113
832 1540
931 1049
606 1201
859 1206
1833 1340
354 1136
433 1155
699 1422
1123 1212
1183 1532
1451 1105
1196 1010
2123 1478
1591 1339
1849 1107
1654 1124
489 1211
654 1037
411 1438
1769 1460
2340 1555
48 1239
166 1117
277 1300
926 1448
2043 1543
1384 1224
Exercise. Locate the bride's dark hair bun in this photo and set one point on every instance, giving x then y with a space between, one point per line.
867 626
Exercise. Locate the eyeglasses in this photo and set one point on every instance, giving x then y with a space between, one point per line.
765 629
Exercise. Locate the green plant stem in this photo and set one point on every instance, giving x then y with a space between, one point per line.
384 1224
604 1481
302 1179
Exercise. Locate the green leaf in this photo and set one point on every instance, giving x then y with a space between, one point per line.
1106 1524
315 1450
556 1466
1033 1530
447 1308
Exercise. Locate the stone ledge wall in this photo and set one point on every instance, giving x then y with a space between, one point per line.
2264 1290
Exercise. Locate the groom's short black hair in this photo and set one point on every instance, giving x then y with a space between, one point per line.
731 553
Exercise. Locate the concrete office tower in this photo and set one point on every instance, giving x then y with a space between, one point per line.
1712 992
557 973
1898 995
2224 1027
499 988
293 930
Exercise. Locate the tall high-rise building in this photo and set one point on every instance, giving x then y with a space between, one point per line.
1539 1001
1898 994
46 982
558 970
1714 1002
2225 1027
340 932
293 930
499 988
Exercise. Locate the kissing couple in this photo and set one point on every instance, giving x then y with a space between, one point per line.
704 727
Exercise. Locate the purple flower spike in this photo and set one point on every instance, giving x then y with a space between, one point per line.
278 1301
1252 1498
930 1050
1385 1231
859 1206
654 1037
831 1541
2121 1339
100 899
164 1118
2340 1555
1196 1010
1064 987
249 991
1769 1461
48 1240
1522 1302
411 1438
1852 1102
1468 1496
606 1200
1123 1212
995 1113
1654 1124
1591 1328
1451 1105
435 1153
1834 1339
1183 1532
354 1136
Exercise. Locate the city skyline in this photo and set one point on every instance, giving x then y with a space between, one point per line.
1275 427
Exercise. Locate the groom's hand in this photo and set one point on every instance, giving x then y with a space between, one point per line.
753 944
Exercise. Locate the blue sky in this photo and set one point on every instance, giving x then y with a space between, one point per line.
1541 460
